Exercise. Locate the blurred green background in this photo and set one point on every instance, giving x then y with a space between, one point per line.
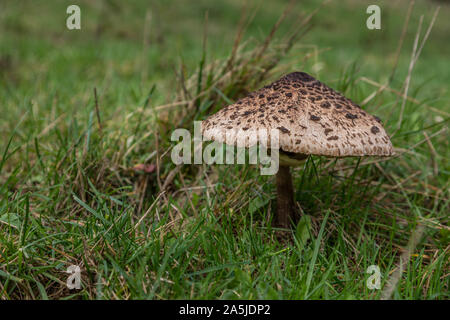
117 48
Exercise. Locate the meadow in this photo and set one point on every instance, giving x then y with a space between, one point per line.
86 176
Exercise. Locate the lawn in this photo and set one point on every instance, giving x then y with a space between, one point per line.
86 176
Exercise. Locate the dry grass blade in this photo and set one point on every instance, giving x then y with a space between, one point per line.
414 57
398 93
272 32
402 38
408 77
404 259
381 88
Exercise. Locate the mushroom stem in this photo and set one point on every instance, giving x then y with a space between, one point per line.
285 198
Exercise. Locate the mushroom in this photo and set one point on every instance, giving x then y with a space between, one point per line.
312 119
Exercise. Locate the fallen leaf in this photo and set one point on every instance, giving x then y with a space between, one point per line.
147 168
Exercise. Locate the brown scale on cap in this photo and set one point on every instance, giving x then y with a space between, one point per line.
298 105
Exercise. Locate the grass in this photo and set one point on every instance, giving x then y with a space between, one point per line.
72 190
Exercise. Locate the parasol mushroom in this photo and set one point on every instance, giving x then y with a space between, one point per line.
312 119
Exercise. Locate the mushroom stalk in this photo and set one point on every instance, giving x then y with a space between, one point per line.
285 198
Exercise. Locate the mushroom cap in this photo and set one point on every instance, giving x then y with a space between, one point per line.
311 117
